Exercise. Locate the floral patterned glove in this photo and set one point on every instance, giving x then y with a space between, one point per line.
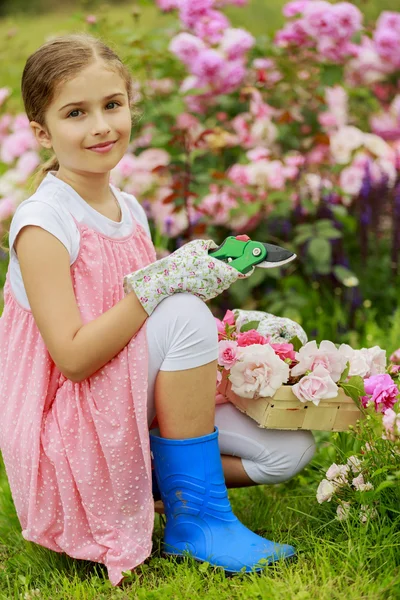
188 269
280 329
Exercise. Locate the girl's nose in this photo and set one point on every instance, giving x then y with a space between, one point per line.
100 126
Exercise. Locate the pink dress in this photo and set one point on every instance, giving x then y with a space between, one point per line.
77 455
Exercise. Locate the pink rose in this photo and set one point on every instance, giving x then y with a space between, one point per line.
381 390
248 338
259 372
227 353
229 319
316 386
395 357
285 351
327 356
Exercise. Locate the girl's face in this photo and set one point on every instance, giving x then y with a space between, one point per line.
90 109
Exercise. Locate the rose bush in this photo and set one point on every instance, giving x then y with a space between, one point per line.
295 139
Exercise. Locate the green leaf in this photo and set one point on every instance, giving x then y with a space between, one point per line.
345 276
249 325
297 343
320 251
345 373
331 74
384 485
354 388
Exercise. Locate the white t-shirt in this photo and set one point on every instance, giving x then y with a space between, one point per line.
51 207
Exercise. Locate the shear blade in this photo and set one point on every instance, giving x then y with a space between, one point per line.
276 257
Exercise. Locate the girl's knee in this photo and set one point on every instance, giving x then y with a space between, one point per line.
186 309
283 464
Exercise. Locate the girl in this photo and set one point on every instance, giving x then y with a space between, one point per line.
85 368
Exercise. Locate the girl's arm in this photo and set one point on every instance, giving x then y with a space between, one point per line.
78 350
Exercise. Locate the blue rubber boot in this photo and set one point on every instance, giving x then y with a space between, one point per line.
199 518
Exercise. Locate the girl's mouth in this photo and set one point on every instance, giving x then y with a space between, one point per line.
103 148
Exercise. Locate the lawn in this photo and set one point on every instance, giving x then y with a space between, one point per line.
336 559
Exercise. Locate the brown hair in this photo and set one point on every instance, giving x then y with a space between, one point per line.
56 62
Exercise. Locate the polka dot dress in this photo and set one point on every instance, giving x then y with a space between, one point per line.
77 455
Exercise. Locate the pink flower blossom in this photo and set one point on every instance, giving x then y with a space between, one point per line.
227 353
236 42
381 390
247 338
285 351
391 424
211 26
395 357
291 9
208 65
7 208
91 19
168 5
351 180
4 94
319 19
186 47
327 355
190 11
259 372
348 19
232 75
238 174
229 319
325 491
316 386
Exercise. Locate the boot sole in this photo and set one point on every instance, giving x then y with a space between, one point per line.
181 557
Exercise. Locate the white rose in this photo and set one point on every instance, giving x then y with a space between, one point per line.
344 141
325 491
376 145
343 511
258 372
359 364
376 359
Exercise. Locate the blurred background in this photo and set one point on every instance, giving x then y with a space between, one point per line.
297 141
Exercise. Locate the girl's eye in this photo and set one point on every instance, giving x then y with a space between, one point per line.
116 104
71 114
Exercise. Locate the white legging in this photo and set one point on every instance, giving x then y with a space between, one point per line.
182 334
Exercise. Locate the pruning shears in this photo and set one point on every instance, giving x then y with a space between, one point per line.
243 254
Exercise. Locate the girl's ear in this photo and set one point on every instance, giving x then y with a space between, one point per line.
41 135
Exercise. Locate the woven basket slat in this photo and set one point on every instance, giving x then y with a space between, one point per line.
285 411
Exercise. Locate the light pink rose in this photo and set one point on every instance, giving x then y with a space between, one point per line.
238 174
27 163
190 12
395 357
186 47
348 19
211 26
227 353
351 180
228 319
376 359
259 372
236 42
247 338
338 474
355 464
327 356
91 19
291 9
208 65
316 386
325 491
232 75
343 511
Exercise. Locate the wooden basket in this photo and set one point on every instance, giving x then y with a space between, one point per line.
284 411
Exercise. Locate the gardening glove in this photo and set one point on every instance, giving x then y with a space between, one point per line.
280 329
188 269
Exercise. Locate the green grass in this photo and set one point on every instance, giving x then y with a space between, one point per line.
335 560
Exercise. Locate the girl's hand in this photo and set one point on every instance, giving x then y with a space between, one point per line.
188 269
